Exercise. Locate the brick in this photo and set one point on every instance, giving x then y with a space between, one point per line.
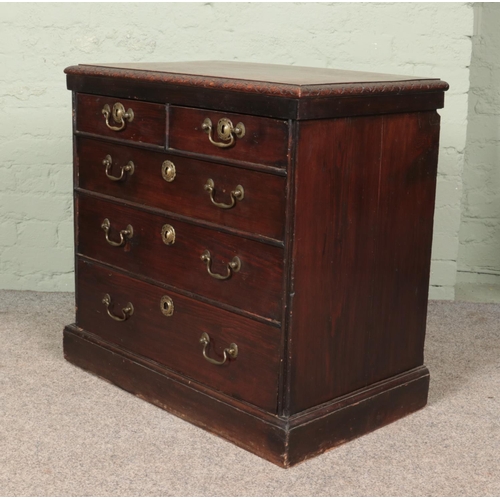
37 234
65 234
8 234
63 179
442 293
443 273
30 260
35 122
444 246
447 219
34 179
450 162
29 150
8 178
448 192
39 207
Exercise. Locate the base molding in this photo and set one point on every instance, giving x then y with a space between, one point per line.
285 441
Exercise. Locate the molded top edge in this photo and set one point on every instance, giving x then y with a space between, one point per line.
266 79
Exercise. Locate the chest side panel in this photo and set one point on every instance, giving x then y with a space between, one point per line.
365 192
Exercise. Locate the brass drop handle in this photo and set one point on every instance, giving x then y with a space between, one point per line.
127 169
225 130
233 266
119 115
229 352
126 311
124 233
236 195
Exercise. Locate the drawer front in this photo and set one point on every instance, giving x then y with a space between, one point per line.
265 140
260 211
148 124
167 327
255 287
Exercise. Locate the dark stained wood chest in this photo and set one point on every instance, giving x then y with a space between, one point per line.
253 245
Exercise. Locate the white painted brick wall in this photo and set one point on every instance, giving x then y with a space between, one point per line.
37 41
479 253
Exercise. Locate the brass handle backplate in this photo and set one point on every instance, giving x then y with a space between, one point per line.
229 352
225 130
127 169
168 171
128 232
233 266
127 311
120 116
236 195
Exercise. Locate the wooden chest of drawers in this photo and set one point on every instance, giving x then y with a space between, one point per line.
253 245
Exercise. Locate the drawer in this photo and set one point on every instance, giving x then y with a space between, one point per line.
254 287
147 125
260 211
265 141
167 327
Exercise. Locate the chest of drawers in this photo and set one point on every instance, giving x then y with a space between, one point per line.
253 245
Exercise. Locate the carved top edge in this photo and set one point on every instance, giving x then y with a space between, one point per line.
285 80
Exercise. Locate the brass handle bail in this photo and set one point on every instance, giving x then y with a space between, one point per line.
119 115
229 352
127 169
225 130
127 311
233 266
125 234
236 195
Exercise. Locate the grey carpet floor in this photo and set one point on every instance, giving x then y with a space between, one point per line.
66 432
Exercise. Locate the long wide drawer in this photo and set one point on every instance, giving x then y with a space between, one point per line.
121 119
242 199
236 271
166 327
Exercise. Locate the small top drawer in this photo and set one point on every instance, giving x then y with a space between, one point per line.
121 118
226 135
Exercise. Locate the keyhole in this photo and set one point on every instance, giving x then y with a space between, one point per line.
167 305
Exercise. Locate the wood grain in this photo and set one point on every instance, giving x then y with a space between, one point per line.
256 287
363 231
262 211
173 341
147 126
265 141
265 79
283 441
334 235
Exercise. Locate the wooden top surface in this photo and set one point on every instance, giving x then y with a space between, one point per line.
268 79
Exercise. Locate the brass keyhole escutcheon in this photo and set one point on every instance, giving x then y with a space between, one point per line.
168 234
167 305
168 171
